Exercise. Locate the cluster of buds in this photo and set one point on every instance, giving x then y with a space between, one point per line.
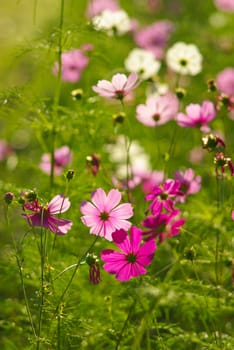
27 196
213 143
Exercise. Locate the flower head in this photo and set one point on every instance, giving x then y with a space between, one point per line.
73 64
158 110
163 196
105 215
62 158
154 37
197 115
184 59
225 5
44 214
163 225
225 81
189 183
112 22
132 259
142 62
119 86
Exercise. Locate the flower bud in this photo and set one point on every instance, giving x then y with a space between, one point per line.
93 163
30 195
70 174
190 253
94 269
9 197
180 93
211 85
119 118
77 94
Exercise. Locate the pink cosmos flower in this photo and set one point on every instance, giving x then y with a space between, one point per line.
95 7
62 158
225 81
105 215
73 64
44 214
5 150
225 5
158 110
132 259
163 226
197 115
154 37
190 183
163 196
119 86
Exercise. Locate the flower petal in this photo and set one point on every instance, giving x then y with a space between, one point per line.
59 204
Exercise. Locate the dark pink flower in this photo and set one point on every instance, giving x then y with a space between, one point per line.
105 215
163 226
95 7
225 81
163 196
189 183
120 86
221 161
225 5
132 259
62 158
44 214
73 64
197 115
158 110
154 37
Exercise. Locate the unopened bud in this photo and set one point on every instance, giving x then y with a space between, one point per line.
190 253
77 94
8 197
119 118
180 93
211 85
30 195
70 174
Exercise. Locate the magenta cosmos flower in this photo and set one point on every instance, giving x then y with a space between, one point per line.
132 259
43 215
62 158
163 226
120 86
189 183
105 215
163 196
225 81
197 115
73 64
154 37
158 110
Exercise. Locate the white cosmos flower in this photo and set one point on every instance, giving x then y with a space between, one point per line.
142 62
112 22
184 59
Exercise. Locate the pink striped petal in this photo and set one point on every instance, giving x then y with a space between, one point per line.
59 204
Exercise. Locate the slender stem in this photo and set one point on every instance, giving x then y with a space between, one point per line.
57 94
35 11
74 272
125 324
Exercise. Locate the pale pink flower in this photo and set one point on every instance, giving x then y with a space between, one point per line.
105 215
158 110
225 5
154 37
62 158
132 259
225 81
95 7
73 64
120 86
189 183
197 116
44 214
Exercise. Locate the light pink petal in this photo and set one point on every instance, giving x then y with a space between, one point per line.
123 211
132 82
208 111
121 239
89 209
193 111
59 204
113 199
58 226
233 215
107 230
99 199
97 228
119 81
145 115
184 121
119 224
